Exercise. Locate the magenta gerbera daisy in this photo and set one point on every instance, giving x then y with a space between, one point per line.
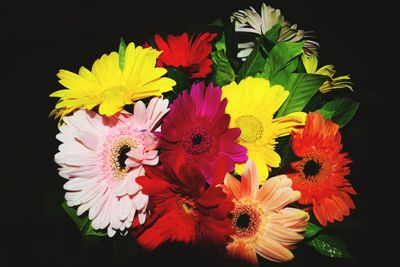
196 131
102 156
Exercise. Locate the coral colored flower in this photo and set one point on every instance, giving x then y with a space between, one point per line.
110 87
262 222
101 158
320 173
196 130
249 21
342 82
190 55
252 104
184 208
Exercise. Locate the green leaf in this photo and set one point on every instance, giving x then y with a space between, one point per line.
254 63
302 87
83 222
280 57
273 33
330 246
327 114
223 72
220 44
121 52
341 110
311 230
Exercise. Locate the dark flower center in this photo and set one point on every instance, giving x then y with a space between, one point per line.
117 157
243 221
247 220
122 156
197 141
311 168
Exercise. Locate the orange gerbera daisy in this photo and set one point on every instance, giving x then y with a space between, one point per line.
263 224
320 173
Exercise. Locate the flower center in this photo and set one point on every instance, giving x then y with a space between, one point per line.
246 220
197 141
251 128
118 156
115 91
189 206
311 168
243 221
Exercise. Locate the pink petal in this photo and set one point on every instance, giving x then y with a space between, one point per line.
139 114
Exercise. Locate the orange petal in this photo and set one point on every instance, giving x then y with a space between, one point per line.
249 180
272 250
282 234
320 214
347 199
233 185
246 253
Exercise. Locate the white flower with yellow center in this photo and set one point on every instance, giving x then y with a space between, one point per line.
102 156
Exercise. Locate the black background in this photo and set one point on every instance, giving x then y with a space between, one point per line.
39 38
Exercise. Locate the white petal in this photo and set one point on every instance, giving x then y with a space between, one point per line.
90 140
77 184
140 200
142 217
125 206
110 231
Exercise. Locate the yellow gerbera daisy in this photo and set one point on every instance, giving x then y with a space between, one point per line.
311 63
110 87
252 104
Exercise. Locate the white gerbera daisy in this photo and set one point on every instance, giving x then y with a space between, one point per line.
102 156
249 21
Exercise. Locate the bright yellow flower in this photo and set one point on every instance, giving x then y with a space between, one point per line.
311 63
110 87
252 104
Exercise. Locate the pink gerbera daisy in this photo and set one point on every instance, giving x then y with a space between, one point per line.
196 131
102 157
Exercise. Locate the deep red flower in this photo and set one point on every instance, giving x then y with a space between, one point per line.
190 55
184 208
320 173
196 130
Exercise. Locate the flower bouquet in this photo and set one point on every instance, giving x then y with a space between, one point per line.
225 137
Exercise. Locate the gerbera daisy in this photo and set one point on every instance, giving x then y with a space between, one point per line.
320 173
262 222
252 104
311 63
190 55
110 87
196 130
249 21
184 208
102 156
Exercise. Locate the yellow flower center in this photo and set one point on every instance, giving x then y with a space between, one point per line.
189 207
119 148
251 128
114 91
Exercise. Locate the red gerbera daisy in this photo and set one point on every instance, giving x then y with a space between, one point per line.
321 171
196 130
190 55
184 208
